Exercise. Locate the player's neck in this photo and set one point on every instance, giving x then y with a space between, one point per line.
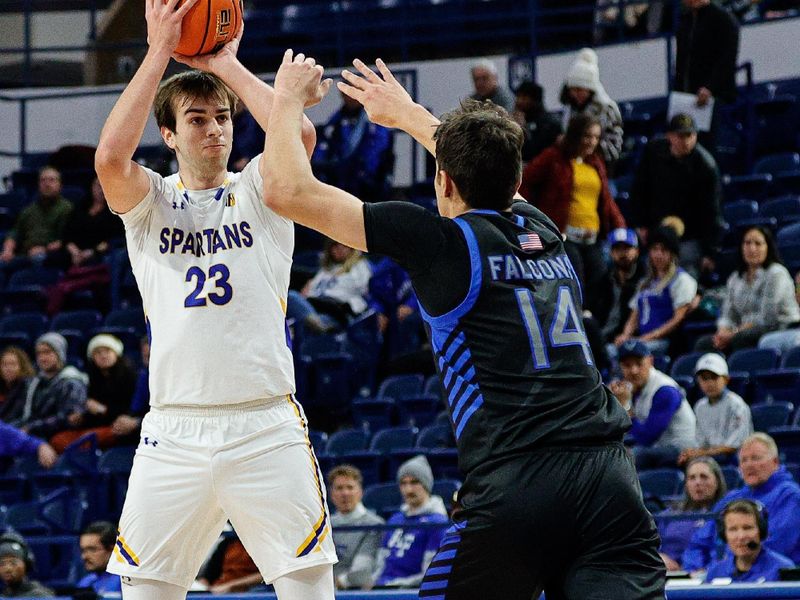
194 180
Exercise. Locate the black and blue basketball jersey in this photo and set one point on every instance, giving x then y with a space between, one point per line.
502 305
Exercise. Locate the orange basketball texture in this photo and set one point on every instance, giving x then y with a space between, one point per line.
208 26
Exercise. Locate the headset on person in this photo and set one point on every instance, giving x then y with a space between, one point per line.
762 521
14 539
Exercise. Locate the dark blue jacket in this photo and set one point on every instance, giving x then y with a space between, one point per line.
764 569
780 495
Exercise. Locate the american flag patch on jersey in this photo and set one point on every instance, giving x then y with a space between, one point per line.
530 242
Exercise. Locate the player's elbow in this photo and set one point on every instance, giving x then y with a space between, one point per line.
106 160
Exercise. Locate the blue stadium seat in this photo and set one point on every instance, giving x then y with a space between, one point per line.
376 413
84 321
34 276
751 360
753 187
773 414
661 483
331 381
787 182
436 436
383 498
684 365
420 410
777 385
785 209
445 488
397 386
433 385
314 345
33 324
788 440
318 440
791 360
13 489
127 317
369 462
735 211
788 234
778 162
394 438
733 478
58 562
346 441
444 463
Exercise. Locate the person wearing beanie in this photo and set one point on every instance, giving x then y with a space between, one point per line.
664 297
112 380
55 399
484 78
582 93
407 551
16 561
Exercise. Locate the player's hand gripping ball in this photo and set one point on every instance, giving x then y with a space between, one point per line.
208 26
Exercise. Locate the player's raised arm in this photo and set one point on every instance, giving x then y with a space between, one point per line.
290 188
124 182
388 103
255 93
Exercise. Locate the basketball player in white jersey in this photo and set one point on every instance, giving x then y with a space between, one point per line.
225 439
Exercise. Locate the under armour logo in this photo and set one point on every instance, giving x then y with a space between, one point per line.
149 442
176 206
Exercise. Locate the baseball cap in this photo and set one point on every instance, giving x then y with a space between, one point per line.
682 123
623 236
712 362
633 348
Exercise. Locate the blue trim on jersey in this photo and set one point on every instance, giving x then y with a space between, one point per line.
519 220
442 565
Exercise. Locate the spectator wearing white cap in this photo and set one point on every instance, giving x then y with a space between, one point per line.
724 421
112 380
582 93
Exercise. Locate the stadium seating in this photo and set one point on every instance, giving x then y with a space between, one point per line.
774 414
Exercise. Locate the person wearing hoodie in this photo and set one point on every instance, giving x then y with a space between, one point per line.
356 549
767 482
407 551
582 93
55 399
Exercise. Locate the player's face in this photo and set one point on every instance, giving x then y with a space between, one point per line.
741 529
203 135
624 256
636 370
756 464
346 493
701 485
10 368
104 358
46 358
711 383
12 570
413 492
94 556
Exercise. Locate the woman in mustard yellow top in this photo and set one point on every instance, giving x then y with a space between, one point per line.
568 182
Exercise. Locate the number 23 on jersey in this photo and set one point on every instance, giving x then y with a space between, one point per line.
220 294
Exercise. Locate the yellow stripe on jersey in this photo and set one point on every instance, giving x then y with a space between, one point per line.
283 306
320 530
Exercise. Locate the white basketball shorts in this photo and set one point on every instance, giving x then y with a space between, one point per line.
196 468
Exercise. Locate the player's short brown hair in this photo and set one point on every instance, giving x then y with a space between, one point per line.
478 146
187 87
345 471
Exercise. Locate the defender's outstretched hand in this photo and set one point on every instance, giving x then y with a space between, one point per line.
301 77
385 100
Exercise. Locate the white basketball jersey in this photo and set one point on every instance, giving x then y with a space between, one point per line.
213 270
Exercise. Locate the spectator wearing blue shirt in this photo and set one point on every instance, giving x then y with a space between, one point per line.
407 551
743 524
355 154
704 487
15 442
663 422
768 482
97 544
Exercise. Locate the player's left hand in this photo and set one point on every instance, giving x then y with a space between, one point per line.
214 63
301 77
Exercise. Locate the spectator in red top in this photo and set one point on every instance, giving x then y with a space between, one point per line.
568 182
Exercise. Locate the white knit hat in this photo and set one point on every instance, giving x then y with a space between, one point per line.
104 340
584 72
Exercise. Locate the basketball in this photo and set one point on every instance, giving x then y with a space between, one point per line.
208 26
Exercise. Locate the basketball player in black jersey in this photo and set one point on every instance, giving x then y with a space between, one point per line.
550 498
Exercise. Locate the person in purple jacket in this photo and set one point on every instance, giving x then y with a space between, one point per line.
704 487
15 442
407 551
768 482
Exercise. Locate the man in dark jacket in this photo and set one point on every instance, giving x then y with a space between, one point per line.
56 398
15 562
678 177
540 127
707 43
